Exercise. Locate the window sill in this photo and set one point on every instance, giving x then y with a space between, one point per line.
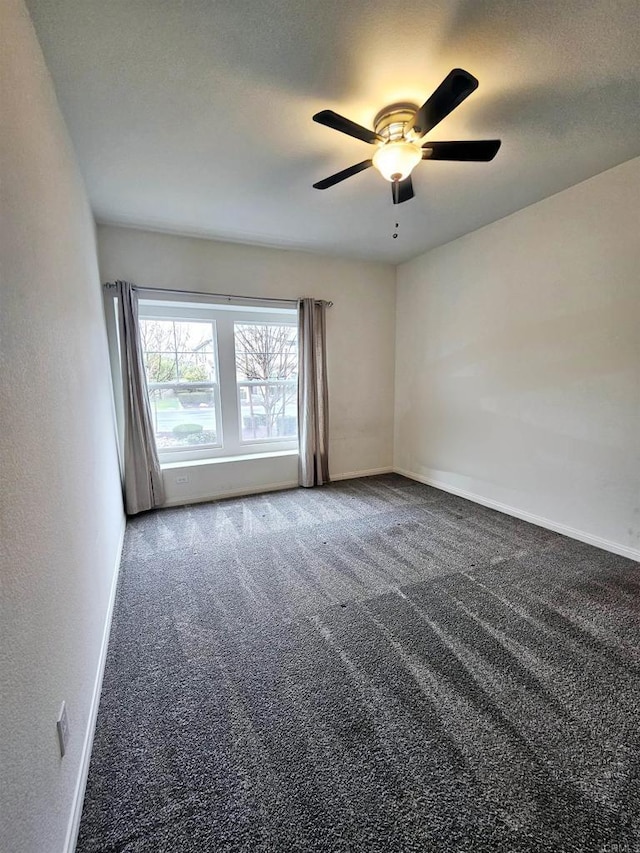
245 457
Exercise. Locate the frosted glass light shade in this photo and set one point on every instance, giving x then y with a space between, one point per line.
395 160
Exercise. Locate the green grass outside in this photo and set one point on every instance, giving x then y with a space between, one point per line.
168 404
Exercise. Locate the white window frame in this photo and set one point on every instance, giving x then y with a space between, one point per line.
228 404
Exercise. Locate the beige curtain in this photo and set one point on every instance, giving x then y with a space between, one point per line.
313 408
143 486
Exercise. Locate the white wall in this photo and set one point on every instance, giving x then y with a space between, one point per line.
360 338
518 362
60 501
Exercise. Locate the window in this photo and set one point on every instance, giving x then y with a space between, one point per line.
181 364
222 380
266 377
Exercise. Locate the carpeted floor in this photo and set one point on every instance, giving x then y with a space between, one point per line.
373 666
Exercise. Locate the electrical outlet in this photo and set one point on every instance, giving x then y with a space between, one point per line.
63 730
183 478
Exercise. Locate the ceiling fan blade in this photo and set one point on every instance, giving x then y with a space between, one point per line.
345 125
456 86
341 176
402 190
480 151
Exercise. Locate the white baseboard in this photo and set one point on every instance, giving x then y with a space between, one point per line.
234 493
540 521
85 758
352 475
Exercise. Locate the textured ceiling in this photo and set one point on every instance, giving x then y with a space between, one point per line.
194 116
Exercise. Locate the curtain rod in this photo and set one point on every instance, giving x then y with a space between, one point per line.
228 296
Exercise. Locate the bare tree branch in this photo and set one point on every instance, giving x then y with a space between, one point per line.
264 352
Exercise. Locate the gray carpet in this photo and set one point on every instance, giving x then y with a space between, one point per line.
371 666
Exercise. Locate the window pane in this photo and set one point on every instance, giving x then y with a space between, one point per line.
196 367
181 367
160 366
266 351
268 410
157 335
172 346
184 417
194 336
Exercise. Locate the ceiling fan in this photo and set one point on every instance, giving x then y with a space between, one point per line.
398 133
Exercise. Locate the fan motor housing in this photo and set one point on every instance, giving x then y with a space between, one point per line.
392 122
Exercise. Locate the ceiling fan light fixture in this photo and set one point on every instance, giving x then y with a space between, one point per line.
399 130
396 160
